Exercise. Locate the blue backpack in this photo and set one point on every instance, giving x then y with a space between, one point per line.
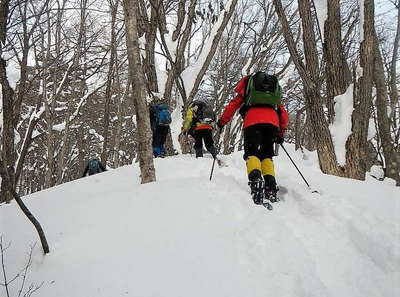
162 114
94 166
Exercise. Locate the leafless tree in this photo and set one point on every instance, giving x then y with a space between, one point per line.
356 146
110 78
145 151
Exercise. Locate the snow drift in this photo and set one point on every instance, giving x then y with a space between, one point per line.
183 235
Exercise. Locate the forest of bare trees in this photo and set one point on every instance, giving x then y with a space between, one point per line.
78 76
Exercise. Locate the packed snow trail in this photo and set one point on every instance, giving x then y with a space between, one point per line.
183 235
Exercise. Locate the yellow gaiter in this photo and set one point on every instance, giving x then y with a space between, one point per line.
267 167
253 163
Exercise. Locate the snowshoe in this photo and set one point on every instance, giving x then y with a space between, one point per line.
257 190
271 196
271 189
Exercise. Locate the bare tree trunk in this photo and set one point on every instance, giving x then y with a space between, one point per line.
309 74
307 138
145 151
298 130
394 94
110 80
338 76
121 100
356 145
7 128
51 104
149 61
4 10
392 160
7 133
186 143
49 108
77 92
81 150
227 136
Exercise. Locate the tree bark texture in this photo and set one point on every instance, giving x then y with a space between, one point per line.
356 145
392 158
110 80
394 94
149 60
298 130
309 74
145 151
7 149
7 133
338 76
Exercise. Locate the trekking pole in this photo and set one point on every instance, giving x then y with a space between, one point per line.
212 169
298 169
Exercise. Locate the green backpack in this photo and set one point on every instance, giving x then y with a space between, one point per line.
263 90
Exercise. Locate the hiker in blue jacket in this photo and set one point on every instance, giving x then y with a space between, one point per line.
94 166
160 118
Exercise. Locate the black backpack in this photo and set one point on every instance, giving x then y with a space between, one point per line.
94 166
205 113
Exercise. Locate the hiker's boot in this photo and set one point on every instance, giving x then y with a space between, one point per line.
199 153
256 184
271 189
156 152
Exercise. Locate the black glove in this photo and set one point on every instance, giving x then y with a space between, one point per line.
279 139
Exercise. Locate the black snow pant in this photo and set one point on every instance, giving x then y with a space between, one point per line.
159 138
206 135
259 143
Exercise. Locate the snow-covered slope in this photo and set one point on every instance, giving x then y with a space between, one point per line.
186 236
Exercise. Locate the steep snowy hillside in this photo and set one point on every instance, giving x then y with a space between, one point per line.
186 236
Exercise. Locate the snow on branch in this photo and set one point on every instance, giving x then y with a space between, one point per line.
63 81
33 119
193 74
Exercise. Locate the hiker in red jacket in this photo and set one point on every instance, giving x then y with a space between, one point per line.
264 122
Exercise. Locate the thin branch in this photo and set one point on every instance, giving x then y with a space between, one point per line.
3 266
28 264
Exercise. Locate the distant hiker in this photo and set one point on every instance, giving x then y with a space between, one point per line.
93 166
265 121
199 119
160 118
